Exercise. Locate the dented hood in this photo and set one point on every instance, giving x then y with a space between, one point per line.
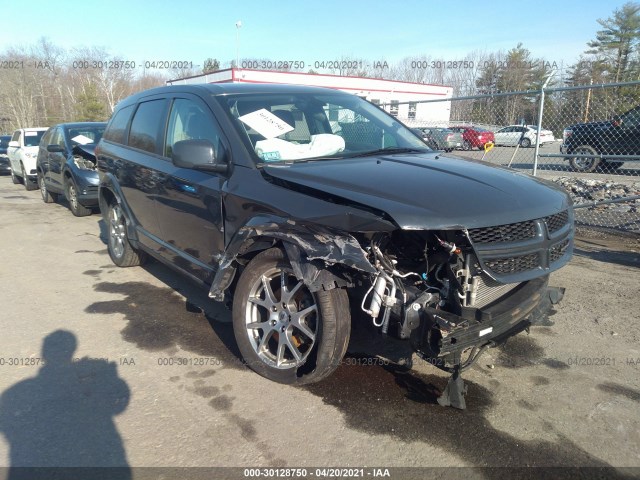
426 191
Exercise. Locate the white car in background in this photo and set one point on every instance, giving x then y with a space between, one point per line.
525 135
23 153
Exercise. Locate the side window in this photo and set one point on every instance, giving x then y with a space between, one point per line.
145 126
117 127
632 118
16 136
46 139
189 121
60 137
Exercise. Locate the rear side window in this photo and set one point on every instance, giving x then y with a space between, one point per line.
146 125
118 125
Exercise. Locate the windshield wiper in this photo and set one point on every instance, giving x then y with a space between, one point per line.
381 151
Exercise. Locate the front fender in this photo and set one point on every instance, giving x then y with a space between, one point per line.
314 243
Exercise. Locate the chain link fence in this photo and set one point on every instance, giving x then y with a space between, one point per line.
586 138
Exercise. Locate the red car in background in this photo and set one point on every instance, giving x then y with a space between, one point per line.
474 137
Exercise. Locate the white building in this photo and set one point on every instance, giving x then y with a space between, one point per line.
398 98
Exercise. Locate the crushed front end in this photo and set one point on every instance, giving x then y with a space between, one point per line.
454 293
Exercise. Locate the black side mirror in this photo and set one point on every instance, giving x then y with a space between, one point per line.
55 148
199 155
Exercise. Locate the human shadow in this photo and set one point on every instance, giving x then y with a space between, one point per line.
59 424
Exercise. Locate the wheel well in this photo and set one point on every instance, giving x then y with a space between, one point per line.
588 143
106 198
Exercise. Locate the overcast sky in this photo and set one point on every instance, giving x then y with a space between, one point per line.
193 30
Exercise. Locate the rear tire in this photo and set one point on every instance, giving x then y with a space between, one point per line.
71 192
466 145
585 165
525 143
120 250
285 332
47 196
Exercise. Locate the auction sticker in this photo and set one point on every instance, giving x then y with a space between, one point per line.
266 123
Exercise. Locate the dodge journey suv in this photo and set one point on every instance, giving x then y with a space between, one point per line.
310 208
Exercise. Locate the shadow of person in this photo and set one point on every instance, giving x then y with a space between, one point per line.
59 424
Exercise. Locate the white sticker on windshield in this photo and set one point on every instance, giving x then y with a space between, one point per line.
266 123
30 134
82 140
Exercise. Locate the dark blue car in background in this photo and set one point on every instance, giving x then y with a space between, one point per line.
4 159
67 166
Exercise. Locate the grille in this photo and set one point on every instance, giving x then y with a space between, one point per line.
512 232
557 251
557 221
509 265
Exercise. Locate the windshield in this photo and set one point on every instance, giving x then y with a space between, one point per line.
303 126
85 135
32 137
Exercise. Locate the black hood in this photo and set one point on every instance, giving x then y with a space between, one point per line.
87 151
425 191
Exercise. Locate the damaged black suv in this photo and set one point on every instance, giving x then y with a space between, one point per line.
309 207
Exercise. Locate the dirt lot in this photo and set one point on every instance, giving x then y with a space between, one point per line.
566 395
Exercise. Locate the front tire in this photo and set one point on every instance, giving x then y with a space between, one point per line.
14 178
75 206
120 250
47 196
585 165
466 145
28 184
285 332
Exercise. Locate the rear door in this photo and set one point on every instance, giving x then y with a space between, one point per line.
188 202
507 136
630 133
144 157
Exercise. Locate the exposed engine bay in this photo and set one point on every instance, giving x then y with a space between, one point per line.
84 158
430 288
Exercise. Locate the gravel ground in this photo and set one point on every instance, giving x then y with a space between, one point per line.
561 396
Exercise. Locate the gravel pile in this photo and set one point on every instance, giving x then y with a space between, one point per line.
589 191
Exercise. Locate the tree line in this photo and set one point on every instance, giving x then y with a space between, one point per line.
44 84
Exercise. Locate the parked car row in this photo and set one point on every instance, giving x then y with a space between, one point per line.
59 160
470 137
